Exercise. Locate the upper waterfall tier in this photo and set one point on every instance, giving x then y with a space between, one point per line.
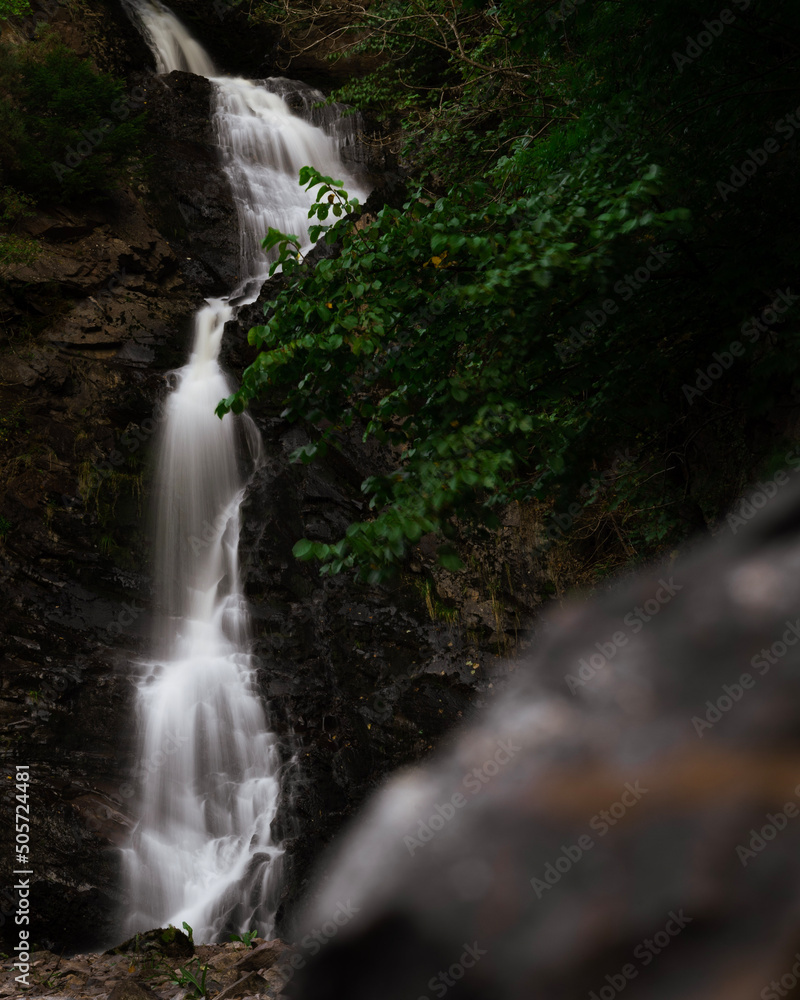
170 42
264 146
263 142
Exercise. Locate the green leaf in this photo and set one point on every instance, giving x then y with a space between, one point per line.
275 236
304 549
449 558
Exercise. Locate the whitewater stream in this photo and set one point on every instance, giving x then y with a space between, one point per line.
202 851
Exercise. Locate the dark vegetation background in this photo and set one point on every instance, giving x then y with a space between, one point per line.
507 330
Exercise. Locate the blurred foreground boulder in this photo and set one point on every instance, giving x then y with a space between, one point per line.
625 820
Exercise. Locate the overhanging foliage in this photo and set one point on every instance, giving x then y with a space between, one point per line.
578 245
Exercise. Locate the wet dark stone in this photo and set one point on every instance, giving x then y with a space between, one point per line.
188 190
167 941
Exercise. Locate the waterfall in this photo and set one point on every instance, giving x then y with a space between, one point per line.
202 851
263 146
171 43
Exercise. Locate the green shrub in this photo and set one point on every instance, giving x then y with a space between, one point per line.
68 130
14 8
596 223
15 250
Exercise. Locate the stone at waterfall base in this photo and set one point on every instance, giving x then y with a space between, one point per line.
167 941
262 957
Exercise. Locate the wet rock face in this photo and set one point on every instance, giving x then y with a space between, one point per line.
97 30
88 329
358 680
627 817
186 188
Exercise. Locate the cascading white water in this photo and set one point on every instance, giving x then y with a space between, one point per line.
171 43
202 851
263 146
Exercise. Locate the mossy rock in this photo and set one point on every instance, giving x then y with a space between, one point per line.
167 941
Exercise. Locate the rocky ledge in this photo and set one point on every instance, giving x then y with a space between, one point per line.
162 964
